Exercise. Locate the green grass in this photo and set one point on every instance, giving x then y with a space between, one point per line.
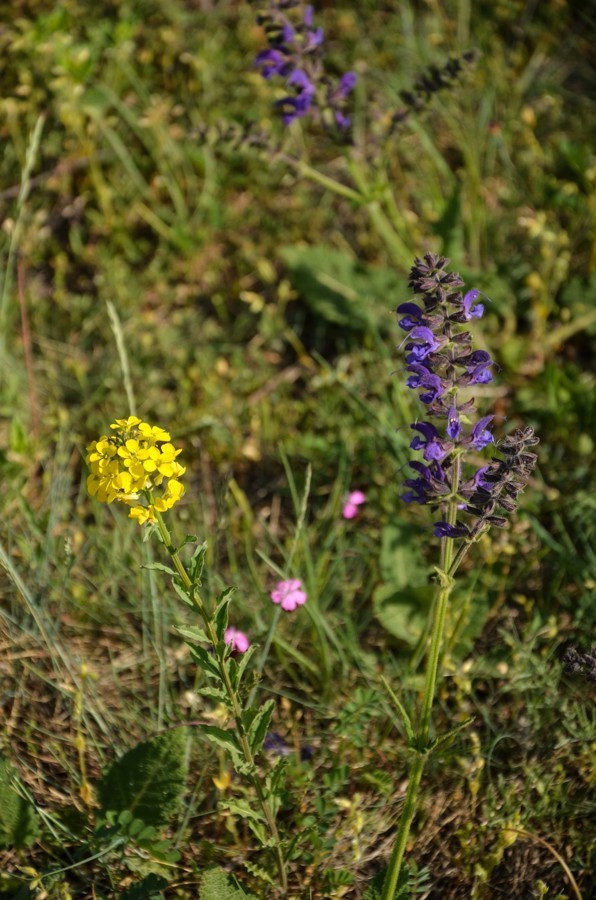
284 397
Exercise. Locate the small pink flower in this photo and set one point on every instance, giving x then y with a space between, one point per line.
237 639
350 510
289 594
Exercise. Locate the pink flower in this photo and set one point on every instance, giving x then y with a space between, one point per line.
289 594
350 510
237 639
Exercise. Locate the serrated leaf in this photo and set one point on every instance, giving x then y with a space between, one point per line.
215 885
148 781
258 872
19 823
192 633
243 809
259 726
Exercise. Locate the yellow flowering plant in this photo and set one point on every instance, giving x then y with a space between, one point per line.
137 464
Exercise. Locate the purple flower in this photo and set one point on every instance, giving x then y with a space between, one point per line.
350 509
453 423
289 594
296 53
412 318
442 363
470 311
237 639
431 442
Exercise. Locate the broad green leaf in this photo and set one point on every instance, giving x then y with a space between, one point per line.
148 781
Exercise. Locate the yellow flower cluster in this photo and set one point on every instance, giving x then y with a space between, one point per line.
130 463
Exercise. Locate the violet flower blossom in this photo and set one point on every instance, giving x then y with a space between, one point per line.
296 54
442 363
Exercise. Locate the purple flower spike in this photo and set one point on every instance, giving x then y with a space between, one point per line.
296 53
441 363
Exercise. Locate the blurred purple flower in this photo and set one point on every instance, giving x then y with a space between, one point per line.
296 53
289 594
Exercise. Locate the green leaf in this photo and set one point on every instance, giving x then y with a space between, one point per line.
215 885
220 616
258 872
214 693
259 726
197 563
243 809
402 603
192 633
222 737
205 661
237 670
148 781
159 567
19 823
183 592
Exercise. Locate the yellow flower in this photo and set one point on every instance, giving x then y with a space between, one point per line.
131 464
143 514
125 424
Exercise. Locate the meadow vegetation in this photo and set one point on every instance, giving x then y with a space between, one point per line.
170 250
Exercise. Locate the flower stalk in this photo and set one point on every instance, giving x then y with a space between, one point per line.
443 366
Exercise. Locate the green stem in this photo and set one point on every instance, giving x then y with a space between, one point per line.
235 703
421 743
